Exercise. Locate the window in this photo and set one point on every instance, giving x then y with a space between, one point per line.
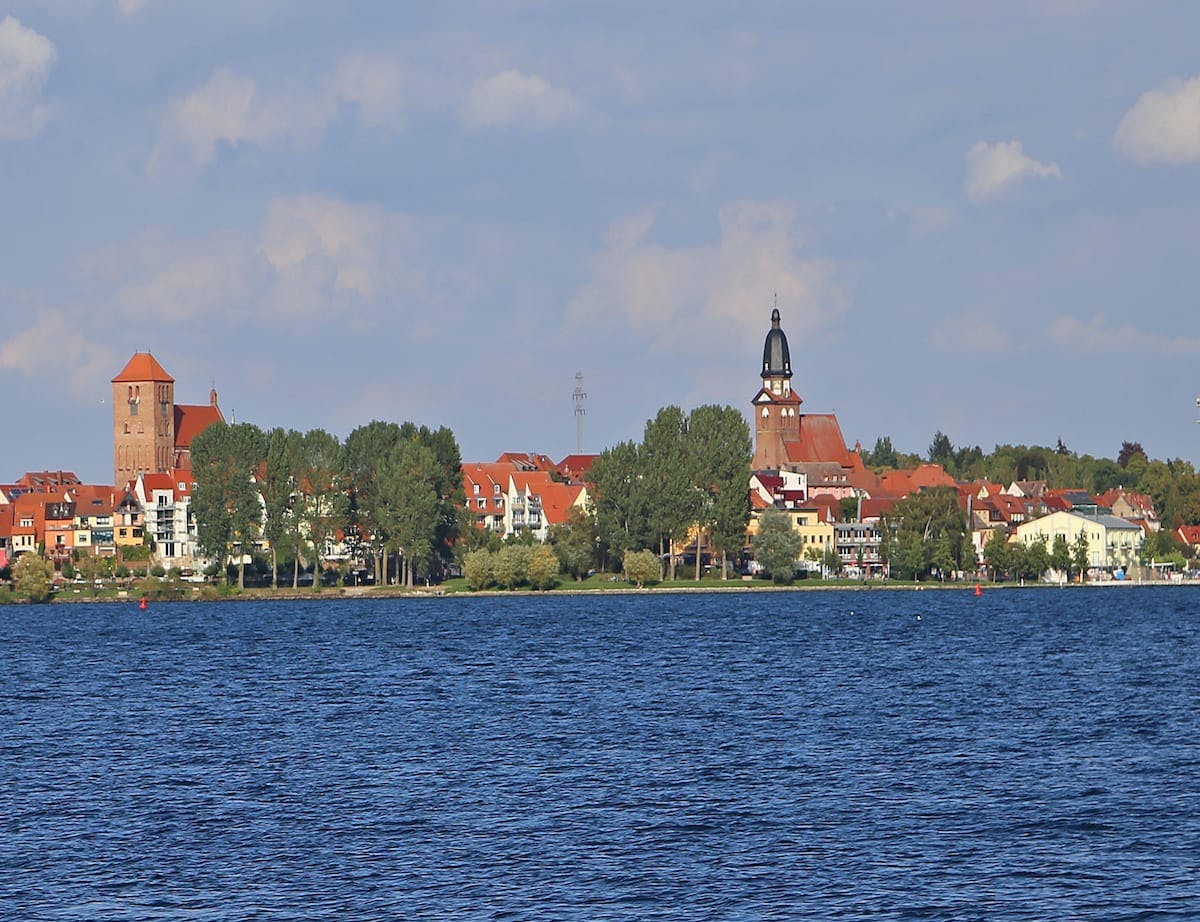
481 503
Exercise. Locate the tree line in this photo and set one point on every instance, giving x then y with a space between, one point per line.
390 491
688 477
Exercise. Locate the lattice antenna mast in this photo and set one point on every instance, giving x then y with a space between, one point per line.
580 398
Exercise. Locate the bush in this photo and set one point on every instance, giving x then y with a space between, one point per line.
543 567
477 569
122 571
511 566
642 567
33 577
161 590
136 552
158 570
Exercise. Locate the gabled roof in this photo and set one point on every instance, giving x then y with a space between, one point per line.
527 461
557 501
41 481
190 421
575 467
143 367
1188 534
821 440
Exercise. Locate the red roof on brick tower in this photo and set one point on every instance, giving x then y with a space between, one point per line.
143 367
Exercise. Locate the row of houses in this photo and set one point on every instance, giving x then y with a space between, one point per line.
1115 523
63 517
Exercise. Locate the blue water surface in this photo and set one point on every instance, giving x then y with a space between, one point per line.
896 755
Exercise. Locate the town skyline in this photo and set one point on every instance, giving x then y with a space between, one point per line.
975 222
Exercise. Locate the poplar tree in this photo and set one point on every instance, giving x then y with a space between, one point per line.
720 450
225 502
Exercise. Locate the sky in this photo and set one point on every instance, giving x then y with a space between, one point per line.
981 218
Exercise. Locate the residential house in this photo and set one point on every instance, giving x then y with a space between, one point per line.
166 500
6 522
128 518
1127 504
1113 543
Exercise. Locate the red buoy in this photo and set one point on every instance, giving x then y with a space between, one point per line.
142 604
978 590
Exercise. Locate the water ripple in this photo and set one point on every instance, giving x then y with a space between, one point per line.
1027 755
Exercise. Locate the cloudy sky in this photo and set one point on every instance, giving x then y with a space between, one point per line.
977 217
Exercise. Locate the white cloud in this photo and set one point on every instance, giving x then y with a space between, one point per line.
312 257
375 85
705 294
234 109
993 169
1163 125
1097 336
53 334
231 109
217 278
511 97
25 61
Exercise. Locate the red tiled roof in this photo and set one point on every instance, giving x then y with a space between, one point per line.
574 467
1189 534
190 421
143 367
557 501
523 460
821 440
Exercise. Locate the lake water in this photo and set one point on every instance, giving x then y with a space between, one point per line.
899 755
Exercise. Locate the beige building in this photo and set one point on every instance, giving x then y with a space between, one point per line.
1112 542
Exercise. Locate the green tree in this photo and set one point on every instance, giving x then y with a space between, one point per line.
322 501
366 451
1079 554
543 567
224 501
409 505
941 451
575 541
943 556
621 497
277 484
1060 554
911 529
883 455
641 567
776 545
720 449
1036 559
997 554
674 503
33 578
477 569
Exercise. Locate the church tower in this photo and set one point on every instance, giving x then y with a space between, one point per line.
776 405
143 402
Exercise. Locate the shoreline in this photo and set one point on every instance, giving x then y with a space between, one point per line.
368 592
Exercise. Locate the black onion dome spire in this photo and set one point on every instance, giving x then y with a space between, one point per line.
777 361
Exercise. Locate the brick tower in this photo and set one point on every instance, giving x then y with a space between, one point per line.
143 401
776 405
